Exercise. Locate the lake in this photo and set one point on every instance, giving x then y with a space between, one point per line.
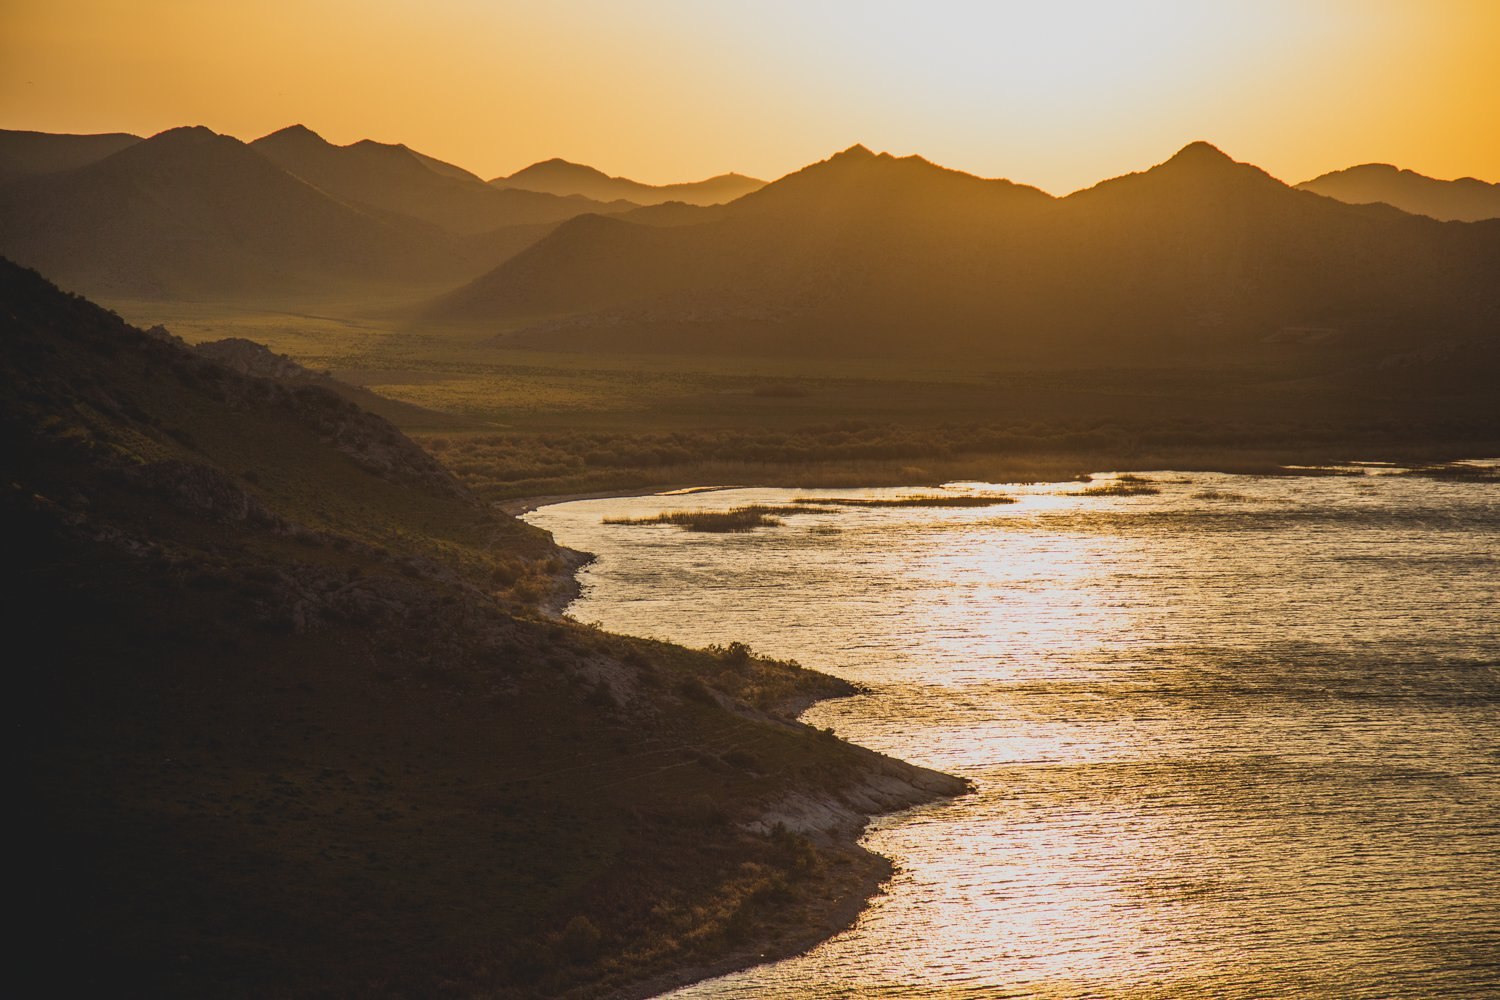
1234 738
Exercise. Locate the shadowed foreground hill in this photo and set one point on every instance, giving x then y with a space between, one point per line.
1199 256
289 722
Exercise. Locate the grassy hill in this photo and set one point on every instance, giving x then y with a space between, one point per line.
291 723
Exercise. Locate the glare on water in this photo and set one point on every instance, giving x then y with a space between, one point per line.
1237 738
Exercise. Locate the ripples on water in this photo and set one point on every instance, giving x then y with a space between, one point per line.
1239 739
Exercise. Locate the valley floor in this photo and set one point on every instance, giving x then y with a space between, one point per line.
517 424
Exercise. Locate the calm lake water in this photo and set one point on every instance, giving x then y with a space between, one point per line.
1237 739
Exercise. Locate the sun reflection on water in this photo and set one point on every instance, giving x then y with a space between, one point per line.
1233 739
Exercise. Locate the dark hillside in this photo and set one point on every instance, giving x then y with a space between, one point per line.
290 723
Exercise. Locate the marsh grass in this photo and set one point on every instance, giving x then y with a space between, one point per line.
1458 471
932 501
736 519
1125 486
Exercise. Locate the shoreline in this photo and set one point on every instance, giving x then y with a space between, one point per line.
525 505
864 875
841 915
517 506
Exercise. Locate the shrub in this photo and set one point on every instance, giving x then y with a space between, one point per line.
579 941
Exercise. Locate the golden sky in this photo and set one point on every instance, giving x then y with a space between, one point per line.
1057 93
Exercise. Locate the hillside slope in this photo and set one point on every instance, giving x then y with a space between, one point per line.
290 724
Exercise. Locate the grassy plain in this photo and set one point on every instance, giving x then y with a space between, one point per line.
521 423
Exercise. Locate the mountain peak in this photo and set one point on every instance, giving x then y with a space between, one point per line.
1200 152
558 167
858 151
299 131
199 133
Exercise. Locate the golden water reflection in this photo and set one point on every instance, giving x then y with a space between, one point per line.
1234 739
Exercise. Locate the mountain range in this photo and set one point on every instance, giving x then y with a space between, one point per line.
860 253
870 253
189 213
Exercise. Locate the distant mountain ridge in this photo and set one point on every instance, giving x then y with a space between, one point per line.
860 252
1466 199
872 253
397 179
29 154
192 213
560 177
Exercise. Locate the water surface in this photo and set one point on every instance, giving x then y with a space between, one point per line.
1236 739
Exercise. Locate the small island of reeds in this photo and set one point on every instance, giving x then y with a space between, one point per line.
926 501
1122 486
724 521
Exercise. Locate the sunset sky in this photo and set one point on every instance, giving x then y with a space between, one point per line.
1059 94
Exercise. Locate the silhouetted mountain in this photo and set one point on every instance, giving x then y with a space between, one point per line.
792 254
27 154
861 253
191 213
393 178
287 715
1464 200
557 176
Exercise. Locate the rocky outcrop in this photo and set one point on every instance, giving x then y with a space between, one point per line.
249 358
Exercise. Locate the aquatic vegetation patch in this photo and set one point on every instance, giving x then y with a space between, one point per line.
929 501
1472 472
735 519
1123 487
